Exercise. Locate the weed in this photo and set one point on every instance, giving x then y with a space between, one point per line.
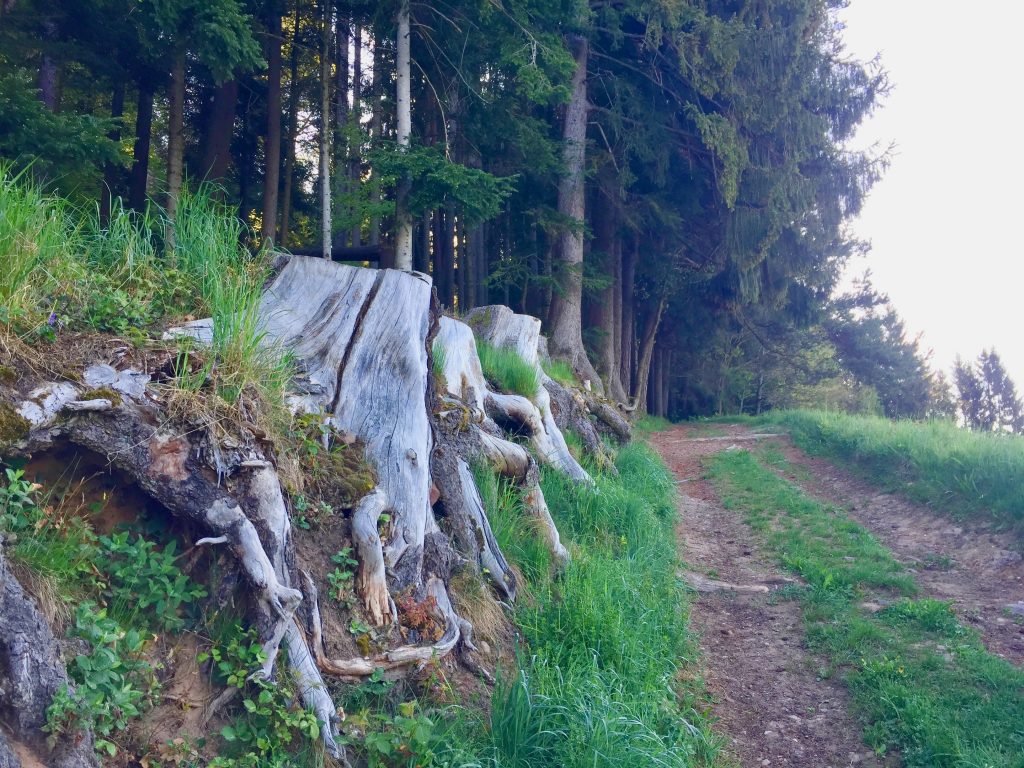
144 584
265 731
341 578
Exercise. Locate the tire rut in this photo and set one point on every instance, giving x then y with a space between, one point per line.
771 705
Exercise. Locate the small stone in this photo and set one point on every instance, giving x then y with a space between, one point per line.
1016 609
766 761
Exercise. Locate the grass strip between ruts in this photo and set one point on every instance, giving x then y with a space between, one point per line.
923 683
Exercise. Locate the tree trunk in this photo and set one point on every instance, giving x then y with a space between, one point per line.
110 170
325 135
403 77
293 128
643 368
376 129
355 170
137 184
49 73
566 339
175 142
272 146
341 113
219 130
627 368
654 386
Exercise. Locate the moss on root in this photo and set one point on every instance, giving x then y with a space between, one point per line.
102 393
13 426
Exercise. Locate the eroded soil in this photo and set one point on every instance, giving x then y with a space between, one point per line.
771 705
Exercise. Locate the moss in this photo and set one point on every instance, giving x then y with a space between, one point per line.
8 375
102 393
13 426
342 476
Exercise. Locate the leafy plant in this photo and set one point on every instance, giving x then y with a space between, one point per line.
140 577
113 681
265 732
341 578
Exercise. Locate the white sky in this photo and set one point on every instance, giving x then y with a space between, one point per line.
946 221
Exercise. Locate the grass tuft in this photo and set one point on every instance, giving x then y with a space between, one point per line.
507 370
560 371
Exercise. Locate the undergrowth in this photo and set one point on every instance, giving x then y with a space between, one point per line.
937 463
923 682
64 270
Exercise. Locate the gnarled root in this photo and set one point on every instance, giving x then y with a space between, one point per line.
371 581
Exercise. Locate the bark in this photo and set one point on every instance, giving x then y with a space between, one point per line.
566 339
219 129
478 437
355 161
31 673
325 135
293 127
367 365
272 145
650 333
137 183
627 368
341 113
49 72
570 411
110 170
403 76
175 141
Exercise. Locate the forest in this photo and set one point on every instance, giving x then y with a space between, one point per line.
341 345
664 184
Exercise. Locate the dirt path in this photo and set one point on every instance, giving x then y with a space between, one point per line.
771 704
980 570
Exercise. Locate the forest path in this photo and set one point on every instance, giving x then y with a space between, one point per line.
772 707
968 562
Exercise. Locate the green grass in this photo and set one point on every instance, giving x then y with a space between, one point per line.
516 532
922 682
61 269
507 370
597 683
647 424
560 371
951 469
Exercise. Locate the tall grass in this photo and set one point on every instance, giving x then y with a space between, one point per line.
560 371
603 642
952 469
34 228
506 369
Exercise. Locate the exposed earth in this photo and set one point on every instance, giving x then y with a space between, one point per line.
772 706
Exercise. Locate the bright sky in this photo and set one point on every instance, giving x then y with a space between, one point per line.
947 221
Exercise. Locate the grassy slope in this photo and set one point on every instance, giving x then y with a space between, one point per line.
923 683
952 469
597 684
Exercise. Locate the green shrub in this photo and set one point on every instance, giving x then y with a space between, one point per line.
507 370
143 584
